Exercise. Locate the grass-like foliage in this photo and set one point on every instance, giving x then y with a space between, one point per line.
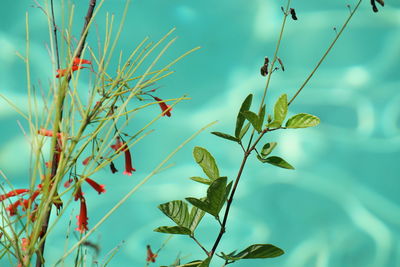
76 129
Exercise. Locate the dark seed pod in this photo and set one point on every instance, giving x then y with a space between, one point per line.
381 2
293 13
112 167
264 70
374 8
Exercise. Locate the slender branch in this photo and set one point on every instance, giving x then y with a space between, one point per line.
55 34
230 200
200 245
56 146
271 69
252 147
326 53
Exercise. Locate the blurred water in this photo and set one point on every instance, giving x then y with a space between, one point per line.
339 208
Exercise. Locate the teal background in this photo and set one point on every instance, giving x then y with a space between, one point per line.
340 207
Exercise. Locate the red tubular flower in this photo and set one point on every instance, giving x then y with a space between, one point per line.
163 106
78 194
12 208
118 144
86 161
27 202
24 243
99 188
49 133
63 72
79 61
13 193
128 162
68 183
82 217
151 257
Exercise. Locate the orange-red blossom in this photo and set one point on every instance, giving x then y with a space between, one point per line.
76 65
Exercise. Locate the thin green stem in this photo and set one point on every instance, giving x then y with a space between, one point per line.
271 68
326 53
200 245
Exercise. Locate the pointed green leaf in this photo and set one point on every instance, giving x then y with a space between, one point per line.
201 204
206 162
175 230
267 148
302 120
244 130
280 109
177 211
195 263
226 136
196 215
201 180
257 251
216 195
240 118
227 257
253 119
269 118
274 124
276 161
227 191
205 263
261 117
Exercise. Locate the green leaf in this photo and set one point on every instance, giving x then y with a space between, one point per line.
244 130
215 200
302 120
261 117
253 119
206 162
175 230
274 124
227 191
276 161
177 211
257 251
201 204
201 180
269 118
196 215
267 148
216 195
205 263
240 118
195 263
226 136
280 109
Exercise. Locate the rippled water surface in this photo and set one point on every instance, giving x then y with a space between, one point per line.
341 205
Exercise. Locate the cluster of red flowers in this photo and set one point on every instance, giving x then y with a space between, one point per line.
82 218
78 195
24 203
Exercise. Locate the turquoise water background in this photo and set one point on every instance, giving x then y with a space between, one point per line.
339 208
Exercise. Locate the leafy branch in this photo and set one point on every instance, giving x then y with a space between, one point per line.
221 191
